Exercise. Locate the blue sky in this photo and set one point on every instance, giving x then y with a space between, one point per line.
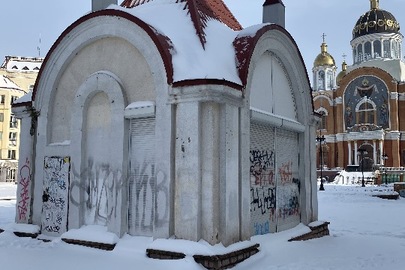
25 22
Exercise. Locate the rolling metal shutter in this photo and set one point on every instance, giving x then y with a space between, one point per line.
142 176
262 179
288 196
273 178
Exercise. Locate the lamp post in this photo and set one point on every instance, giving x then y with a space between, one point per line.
321 139
362 151
385 157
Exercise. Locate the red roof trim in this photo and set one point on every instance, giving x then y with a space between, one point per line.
161 41
206 82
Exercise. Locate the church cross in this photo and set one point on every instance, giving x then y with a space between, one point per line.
323 37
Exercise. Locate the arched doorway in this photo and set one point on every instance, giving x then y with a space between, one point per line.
366 159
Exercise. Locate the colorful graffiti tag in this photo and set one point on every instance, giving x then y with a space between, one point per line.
55 195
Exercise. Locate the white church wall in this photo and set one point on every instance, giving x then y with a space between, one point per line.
198 186
263 96
272 89
102 54
87 50
210 173
25 166
231 183
97 138
99 171
187 202
290 89
208 183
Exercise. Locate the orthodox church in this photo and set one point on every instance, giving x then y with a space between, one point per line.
362 124
166 118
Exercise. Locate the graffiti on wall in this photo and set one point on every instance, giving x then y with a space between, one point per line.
24 196
55 194
96 191
261 228
274 197
262 167
285 173
98 187
141 197
148 199
262 191
263 208
288 201
263 200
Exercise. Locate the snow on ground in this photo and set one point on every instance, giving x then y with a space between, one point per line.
366 233
7 190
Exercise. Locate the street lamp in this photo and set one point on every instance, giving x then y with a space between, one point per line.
362 151
321 139
385 157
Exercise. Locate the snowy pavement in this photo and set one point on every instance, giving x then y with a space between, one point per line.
7 191
366 233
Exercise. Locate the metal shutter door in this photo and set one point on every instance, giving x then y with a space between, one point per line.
262 179
142 176
288 196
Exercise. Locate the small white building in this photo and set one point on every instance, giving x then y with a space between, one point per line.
166 118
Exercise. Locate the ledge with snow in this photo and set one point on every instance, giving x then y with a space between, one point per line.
210 256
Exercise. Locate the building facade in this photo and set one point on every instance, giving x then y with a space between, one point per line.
144 121
18 75
362 106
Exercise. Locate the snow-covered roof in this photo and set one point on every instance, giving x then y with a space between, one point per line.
199 41
24 99
200 11
202 45
22 64
6 83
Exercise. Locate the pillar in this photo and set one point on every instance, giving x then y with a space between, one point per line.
341 157
393 99
230 181
187 201
375 152
382 161
25 165
395 151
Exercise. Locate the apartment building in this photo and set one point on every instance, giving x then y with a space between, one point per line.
17 77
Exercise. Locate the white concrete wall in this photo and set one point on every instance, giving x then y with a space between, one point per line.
99 68
187 202
202 132
275 54
210 153
104 54
231 182
25 165
207 182
272 88
99 170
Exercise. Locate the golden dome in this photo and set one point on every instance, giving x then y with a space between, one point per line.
342 73
324 58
